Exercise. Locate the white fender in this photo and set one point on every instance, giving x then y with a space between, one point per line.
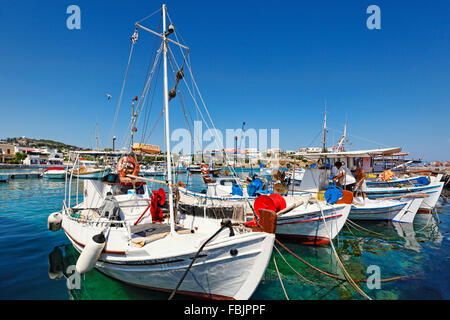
91 253
54 221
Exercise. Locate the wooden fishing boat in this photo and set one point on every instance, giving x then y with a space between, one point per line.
401 210
91 173
309 220
133 236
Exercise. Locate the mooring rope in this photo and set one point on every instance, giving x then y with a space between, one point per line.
341 265
355 225
279 277
331 275
300 275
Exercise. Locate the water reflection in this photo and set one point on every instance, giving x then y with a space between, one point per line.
398 249
93 285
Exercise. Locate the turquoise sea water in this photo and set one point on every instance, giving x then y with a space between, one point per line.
30 253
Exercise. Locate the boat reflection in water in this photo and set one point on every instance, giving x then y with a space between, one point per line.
93 285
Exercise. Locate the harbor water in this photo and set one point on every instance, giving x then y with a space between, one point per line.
38 264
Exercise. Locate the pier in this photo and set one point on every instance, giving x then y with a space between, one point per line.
21 175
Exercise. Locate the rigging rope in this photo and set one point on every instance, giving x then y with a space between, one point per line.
121 91
148 16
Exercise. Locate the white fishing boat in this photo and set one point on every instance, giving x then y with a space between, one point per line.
301 217
133 236
430 185
433 190
154 256
54 173
314 222
201 169
401 210
85 169
154 171
399 182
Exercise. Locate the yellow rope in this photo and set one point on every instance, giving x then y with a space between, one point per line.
279 277
301 276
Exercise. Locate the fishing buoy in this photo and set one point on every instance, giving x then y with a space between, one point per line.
264 202
91 253
279 201
54 221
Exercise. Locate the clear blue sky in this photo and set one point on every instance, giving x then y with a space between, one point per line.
269 63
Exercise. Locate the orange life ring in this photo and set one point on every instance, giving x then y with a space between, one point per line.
204 168
127 165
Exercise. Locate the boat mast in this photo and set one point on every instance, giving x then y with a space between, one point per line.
133 118
96 136
344 137
166 111
324 128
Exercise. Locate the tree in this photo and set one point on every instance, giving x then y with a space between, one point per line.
19 157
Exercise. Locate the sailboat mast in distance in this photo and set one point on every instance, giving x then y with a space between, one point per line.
324 128
166 113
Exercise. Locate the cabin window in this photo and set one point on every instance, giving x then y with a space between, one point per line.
227 182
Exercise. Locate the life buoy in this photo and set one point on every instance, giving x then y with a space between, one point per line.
204 168
127 165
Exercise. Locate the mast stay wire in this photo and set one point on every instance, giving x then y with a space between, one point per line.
211 121
121 92
147 107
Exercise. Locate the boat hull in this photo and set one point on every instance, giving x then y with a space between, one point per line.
397 211
303 224
54 175
229 267
307 226
92 175
433 191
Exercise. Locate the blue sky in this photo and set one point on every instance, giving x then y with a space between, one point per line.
269 63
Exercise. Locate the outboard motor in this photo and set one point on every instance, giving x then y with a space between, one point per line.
110 209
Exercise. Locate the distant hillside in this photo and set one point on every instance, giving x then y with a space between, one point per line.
41 143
